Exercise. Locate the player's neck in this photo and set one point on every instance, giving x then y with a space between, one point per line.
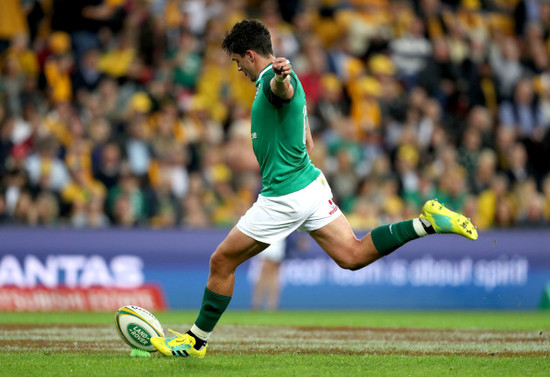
262 62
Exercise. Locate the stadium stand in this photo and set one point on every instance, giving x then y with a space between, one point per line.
127 112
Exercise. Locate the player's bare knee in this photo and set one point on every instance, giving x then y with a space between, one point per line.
352 265
351 260
219 264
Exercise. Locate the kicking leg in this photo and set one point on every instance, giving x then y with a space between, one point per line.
340 243
338 240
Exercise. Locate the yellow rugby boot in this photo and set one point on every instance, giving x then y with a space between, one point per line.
444 220
181 345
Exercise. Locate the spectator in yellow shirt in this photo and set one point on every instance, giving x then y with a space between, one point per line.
12 22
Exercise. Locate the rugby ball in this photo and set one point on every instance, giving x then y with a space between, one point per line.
136 326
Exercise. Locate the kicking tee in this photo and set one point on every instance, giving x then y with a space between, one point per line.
278 133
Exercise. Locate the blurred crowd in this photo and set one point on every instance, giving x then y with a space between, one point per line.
128 113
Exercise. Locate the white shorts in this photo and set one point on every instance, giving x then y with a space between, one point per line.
271 219
275 252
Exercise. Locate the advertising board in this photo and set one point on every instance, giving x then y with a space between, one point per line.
65 269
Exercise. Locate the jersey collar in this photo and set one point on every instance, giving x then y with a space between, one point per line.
262 73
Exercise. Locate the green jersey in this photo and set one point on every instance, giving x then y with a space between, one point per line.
278 134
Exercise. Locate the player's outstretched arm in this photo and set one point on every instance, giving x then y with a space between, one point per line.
280 83
309 139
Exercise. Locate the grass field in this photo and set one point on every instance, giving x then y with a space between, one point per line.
289 344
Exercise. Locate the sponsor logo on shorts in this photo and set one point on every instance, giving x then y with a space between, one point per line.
333 207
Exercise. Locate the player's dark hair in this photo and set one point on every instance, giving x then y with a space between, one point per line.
248 35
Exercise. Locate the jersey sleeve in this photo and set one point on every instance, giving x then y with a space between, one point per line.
271 97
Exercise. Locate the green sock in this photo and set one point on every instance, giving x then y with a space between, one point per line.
387 238
212 308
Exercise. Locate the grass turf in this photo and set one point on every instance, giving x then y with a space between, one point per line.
287 363
272 365
500 320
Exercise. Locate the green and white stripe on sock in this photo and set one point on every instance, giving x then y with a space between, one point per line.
204 335
387 238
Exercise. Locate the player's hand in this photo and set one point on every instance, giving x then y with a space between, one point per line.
282 68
